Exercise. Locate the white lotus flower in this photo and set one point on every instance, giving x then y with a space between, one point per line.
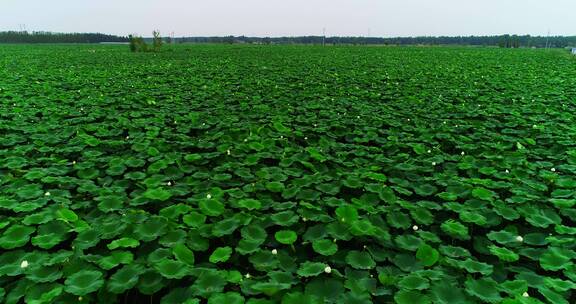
507 171
433 163
128 137
525 294
24 264
327 269
429 151
47 194
553 169
306 138
462 153
274 251
169 183
415 228
228 152
208 196
519 239
247 276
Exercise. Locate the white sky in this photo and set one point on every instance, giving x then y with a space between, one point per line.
384 18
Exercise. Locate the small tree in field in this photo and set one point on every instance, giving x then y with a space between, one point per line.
157 41
137 43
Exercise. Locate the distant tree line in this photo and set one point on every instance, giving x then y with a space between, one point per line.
509 41
50 37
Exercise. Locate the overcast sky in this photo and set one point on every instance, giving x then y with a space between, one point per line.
384 18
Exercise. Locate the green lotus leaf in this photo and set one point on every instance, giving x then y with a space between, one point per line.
193 157
158 194
123 243
89 173
427 255
476 267
250 204
83 282
316 154
220 255
286 237
254 233
421 216
66 215
552 297
484 289
447 294
151 229
135 175
514 288
563 203
555 259
125 278
425 189
280 127
150 282
16 236
114 259
360 260
311 269
43 293
325 289
411 297
473 217
325 247
455 229
559 285
194 219
413 281
211 207
87 239
29 192
503 237
483 194
229 297
275 187
504 254
398 220
110 203
353 182
225 227
299 297
43 274
266 261
347 214
171 269
285 218
209 282
183 254
408 242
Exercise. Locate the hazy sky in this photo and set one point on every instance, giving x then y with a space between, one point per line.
293 17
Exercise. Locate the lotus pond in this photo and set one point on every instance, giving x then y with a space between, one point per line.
287 174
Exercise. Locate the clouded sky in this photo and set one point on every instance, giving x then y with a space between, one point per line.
382 18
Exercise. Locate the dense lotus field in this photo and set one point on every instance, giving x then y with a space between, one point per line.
287 174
